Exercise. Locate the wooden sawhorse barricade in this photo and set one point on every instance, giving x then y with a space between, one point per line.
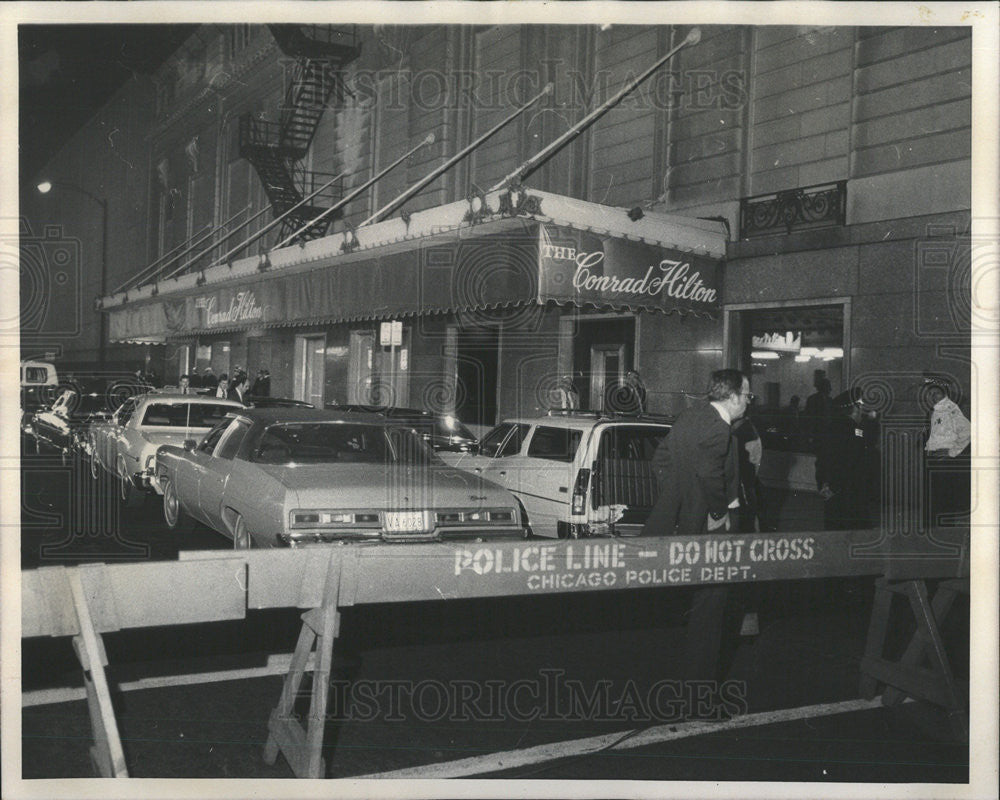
207 586
908 567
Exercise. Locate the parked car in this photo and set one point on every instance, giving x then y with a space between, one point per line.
297 476
575 473
275 402
63 425
443 432
126 444
39 389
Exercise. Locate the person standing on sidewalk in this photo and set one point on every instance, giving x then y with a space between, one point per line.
696 468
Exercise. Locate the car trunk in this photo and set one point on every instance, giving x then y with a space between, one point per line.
624 475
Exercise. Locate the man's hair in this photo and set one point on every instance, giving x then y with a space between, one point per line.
724 383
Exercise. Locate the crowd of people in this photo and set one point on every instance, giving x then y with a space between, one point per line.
707 475
237 387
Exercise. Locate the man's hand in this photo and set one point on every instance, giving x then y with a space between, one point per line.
716 524
826 492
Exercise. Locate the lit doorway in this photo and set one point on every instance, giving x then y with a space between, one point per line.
309 351
603 351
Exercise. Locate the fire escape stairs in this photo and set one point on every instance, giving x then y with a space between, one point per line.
276 149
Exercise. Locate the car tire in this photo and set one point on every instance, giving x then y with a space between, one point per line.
174 515
241 536
128 494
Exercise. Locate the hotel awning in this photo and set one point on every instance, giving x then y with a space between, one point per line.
503 260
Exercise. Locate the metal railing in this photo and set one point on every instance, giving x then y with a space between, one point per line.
820 206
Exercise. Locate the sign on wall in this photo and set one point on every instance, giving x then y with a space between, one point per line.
583 267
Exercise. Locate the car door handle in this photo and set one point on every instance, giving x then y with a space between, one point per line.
503 473
564 489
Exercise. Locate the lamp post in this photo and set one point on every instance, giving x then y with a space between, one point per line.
44 188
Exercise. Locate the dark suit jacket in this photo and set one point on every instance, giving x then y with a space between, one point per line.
694 468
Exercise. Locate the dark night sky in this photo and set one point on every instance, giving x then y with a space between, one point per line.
69 71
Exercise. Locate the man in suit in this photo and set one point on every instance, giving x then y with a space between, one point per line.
693 462
696 470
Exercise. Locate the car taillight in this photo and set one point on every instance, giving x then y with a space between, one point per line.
477 516
580 491
314 518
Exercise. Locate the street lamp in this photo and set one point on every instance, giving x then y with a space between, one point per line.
46 186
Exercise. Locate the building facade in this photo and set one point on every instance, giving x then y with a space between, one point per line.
809 188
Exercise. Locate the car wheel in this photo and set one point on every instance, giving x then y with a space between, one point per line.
241 536
175 516
129 496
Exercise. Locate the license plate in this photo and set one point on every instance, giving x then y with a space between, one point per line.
406 521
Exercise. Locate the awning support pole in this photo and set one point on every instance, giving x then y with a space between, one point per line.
693 37
228 236
276 220
176 258
161 258
455 158
354 193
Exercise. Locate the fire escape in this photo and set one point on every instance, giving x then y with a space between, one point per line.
276 149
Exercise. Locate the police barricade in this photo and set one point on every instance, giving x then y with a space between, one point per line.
207 586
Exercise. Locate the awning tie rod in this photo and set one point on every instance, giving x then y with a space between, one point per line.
277 219
209 249
693 37
455 158
355 192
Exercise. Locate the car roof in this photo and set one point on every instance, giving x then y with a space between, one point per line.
158 396
298 414
586 420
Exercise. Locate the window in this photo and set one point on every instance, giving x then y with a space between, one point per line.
624 467
185 415
555 444
35 375
630 442
209 443
504 440
239 38
336 442
795 359
235 435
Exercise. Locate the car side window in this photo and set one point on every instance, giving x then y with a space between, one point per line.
210 441
504 440
554 444
233 438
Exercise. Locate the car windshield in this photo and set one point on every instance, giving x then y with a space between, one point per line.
444 426
340 443
82 405
185 415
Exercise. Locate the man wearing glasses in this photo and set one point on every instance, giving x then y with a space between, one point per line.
696 467
694 464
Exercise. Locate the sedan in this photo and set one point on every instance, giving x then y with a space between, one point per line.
63 424
296 476
443 432
126 444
